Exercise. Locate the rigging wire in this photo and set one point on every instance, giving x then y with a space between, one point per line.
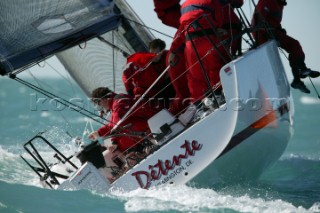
62 101
47 85
67 78
85 130
132 110
314 87
150 28
271 34
39 85
123 42
113 64
124 53
64 77
246 25
65 102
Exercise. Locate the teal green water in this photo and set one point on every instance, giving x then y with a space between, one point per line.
291 185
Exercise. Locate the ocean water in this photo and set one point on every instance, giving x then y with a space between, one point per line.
291 185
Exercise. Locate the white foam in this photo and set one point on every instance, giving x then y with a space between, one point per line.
315 207
185 199
14 170
45 114
2 205
309 100
291 156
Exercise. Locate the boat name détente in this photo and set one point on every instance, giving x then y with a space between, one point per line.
163 167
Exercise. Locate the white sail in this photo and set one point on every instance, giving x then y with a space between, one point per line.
96 65
99 62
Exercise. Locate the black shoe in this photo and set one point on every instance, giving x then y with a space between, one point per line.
314 74
300 86
308 72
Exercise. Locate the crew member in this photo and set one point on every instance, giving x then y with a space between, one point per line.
196 40
267 18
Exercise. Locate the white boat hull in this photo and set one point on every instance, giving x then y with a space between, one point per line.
236 142
264 128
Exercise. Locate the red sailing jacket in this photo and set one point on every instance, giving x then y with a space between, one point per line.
140 73
168 11
269 11
119 105
193 9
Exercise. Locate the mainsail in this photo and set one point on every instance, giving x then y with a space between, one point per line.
35 30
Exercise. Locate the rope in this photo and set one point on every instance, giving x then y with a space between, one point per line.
150 28
59 100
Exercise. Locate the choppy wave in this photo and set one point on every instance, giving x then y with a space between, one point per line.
309 100
164 199
187 199
291 185
271 194
13 170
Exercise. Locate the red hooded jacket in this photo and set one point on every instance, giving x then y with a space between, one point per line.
140 73
193 9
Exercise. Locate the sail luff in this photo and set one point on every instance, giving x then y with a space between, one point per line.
144 34
101 62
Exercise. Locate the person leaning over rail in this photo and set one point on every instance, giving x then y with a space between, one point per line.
267 19
127 137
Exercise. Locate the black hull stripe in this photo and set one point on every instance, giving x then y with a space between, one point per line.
247 132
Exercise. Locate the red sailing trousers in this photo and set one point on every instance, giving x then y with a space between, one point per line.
168 12
270 12
211 61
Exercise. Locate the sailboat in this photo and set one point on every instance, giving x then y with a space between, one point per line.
235 140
